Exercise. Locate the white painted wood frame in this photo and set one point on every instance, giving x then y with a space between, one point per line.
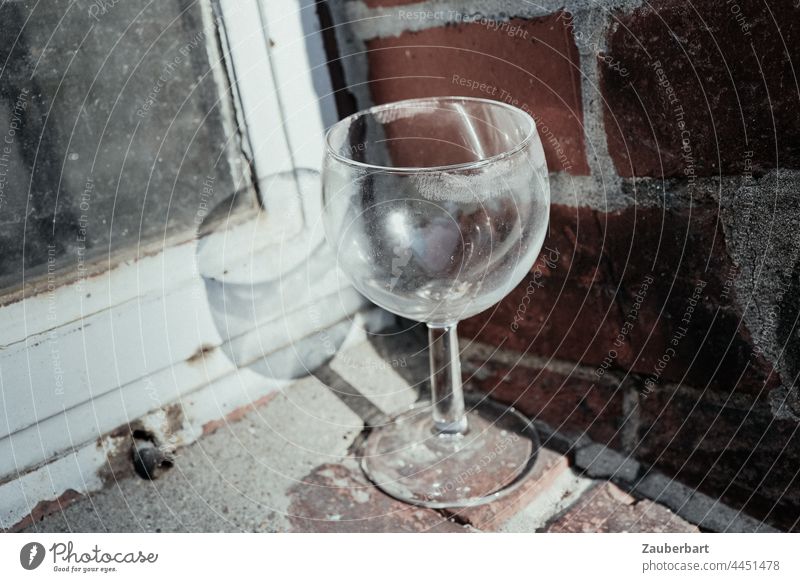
132 341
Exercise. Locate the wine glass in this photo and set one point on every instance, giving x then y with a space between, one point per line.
437 208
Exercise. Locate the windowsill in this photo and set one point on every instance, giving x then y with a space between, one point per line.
285 463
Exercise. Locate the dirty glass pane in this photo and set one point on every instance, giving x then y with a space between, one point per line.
116 131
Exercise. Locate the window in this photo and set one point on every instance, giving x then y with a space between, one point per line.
124 124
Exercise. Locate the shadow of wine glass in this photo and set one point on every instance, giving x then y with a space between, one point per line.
276 299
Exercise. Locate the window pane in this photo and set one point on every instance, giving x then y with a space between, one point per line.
115 130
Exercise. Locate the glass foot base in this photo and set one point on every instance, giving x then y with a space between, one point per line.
407 459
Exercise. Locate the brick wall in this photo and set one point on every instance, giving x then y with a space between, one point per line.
662 318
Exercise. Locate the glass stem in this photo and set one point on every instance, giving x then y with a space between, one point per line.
447 391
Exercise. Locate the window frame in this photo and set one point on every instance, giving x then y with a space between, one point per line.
281 95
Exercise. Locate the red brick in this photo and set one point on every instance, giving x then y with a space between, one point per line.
537 66
682 248
606 508
743 455
580 309
337 498
549 466
568 404
573 314
738 92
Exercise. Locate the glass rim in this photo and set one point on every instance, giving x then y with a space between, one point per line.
330 151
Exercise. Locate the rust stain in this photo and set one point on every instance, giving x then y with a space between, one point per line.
45 508
174 414
200 354
237 414
126 430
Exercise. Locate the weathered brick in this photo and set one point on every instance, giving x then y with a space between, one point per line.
549 466
737 88
337 498
536 66
683 317
606 508
742 454
345 101
567 403
634 287
568 311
